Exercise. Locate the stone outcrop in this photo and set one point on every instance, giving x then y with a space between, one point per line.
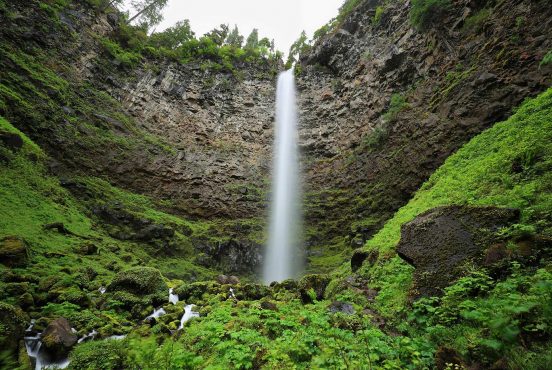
439 242
14 251
363 164
58 338
139 281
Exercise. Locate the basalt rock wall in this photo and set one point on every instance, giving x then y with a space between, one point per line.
366 155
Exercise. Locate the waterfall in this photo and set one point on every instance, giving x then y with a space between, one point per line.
282 256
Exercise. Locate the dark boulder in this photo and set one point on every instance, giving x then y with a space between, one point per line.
312 286
11 140
139 281
359 256
240 257
252 292
268 305
439 242
342 307
154 231
58 338
228 280
14 251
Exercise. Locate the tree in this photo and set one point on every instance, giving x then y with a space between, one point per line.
149 12
219 35
110 3
252 42
300 46
234 38
174 36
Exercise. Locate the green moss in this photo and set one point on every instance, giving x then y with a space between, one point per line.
424 13
547 59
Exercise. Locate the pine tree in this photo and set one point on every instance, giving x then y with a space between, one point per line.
234 38
149 12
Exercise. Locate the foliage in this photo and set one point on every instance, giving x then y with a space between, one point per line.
126 58
148 13
346 9
105 354
173 37
298 48
477 21
425 12
377 16
547 59
396 105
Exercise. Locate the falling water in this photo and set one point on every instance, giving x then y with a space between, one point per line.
282 254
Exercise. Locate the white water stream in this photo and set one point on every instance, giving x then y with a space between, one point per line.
282 257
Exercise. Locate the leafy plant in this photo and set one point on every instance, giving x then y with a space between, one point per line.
424 13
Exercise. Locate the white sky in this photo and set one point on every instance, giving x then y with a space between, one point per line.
281 20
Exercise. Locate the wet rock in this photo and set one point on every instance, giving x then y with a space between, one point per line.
11 140
231 256
312 286
88 249
14 251
360 256
228 280
268 305
252 292
139 281
192 293
58 338
13 323
152 232
342 307
440 241
447 358
26 300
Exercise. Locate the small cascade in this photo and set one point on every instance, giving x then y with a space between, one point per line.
232 294
188 314
89 336
116 337
102 290
173 298
156 314
38 356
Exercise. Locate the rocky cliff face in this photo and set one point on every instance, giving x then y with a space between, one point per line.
383 104
200 140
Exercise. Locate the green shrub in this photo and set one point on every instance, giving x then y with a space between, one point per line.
126 58
477 21
377 16
547 59
105 354
424 12
397 104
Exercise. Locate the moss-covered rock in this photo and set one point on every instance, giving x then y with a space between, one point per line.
12 326
194 292
139 280
14 251
313 287
58 338
252 292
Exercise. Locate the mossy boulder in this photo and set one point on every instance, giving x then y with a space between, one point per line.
58 338
252 292
439 242
312 287
14 251
139 281
11 140
12 326
195 292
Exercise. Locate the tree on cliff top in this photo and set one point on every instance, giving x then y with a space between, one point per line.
149 12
